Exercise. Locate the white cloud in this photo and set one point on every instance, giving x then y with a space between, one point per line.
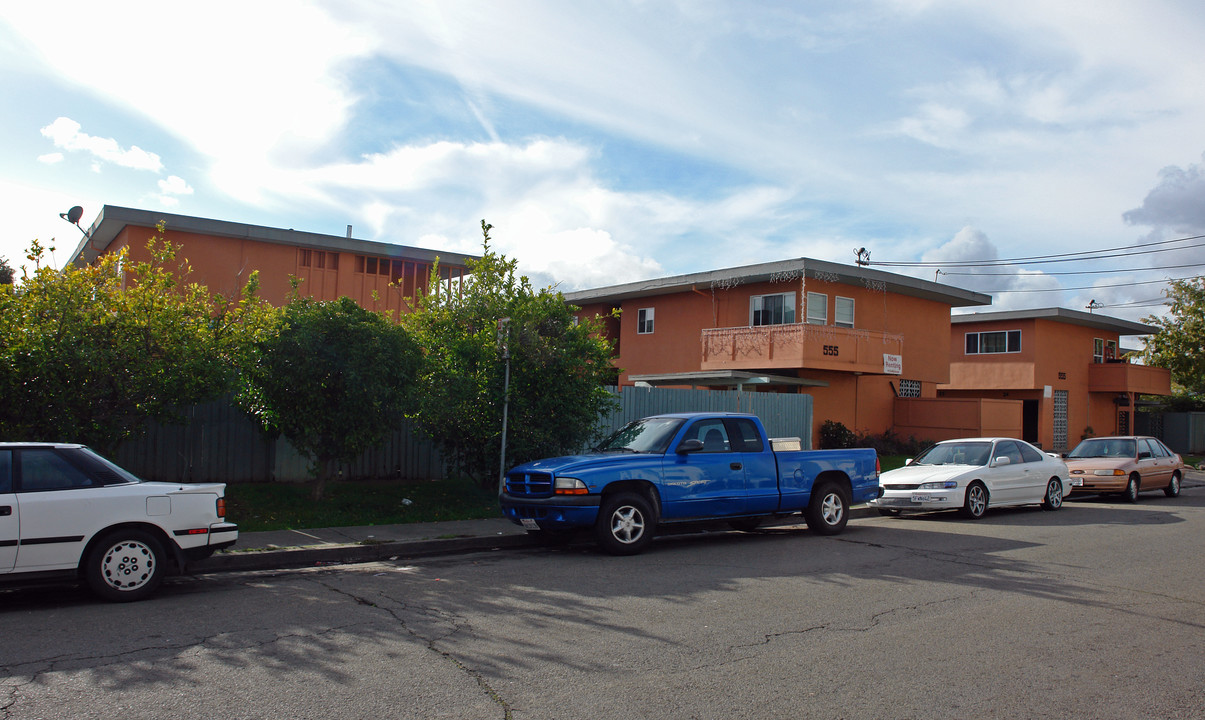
65 133
51 158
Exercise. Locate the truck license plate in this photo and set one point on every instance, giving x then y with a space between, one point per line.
529 524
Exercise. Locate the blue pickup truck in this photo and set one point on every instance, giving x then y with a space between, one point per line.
687 467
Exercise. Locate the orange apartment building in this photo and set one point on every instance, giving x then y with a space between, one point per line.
1064 366
222 255
854 338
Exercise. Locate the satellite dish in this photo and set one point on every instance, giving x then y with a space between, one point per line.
73 215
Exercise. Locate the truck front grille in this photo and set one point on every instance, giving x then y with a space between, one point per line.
529 484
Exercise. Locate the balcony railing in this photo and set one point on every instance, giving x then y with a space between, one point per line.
818 347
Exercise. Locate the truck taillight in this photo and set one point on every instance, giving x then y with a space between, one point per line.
878 469
221 507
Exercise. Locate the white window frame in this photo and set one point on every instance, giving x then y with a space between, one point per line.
979 342
817 301
788 308
1098 350
644 321
837 319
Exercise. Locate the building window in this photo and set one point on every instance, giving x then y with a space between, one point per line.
303 258
817 308
999 341
1110 350
1098 350
909 388
843 312
644 321
772 309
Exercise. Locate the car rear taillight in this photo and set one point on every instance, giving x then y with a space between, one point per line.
221 507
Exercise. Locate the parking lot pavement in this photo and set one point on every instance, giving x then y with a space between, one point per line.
279 549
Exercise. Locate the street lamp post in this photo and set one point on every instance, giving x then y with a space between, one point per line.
504 346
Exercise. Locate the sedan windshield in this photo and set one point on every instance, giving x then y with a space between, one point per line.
1105 448
955 453
650 435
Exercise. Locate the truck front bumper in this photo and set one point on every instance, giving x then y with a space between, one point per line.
556 512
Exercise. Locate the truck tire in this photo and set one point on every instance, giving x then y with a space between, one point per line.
625 524
828 510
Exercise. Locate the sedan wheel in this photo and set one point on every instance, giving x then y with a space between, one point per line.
1173 487
975 503
1054 495
125 565
1131 492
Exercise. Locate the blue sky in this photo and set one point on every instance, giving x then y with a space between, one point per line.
615 141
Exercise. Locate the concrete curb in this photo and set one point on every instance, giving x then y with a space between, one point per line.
352 553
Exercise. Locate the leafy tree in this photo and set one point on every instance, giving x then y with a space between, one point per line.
6 271
335 380
1179 344
89 354
558 369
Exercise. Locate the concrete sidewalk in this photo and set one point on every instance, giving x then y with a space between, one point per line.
335 546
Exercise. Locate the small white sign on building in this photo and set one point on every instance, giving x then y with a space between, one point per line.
893 364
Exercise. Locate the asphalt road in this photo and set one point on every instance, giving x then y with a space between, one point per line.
1094 611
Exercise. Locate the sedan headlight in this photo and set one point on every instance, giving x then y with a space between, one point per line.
1117 471
944 485
569 486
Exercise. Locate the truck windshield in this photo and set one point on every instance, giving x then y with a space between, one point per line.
650 435
955 453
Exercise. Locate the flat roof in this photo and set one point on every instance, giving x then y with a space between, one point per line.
1058 314
113 219
783 270
723 377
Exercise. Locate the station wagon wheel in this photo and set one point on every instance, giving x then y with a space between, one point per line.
625 524
1173 485
125 565
1131 492
1054 495
828 510
974 505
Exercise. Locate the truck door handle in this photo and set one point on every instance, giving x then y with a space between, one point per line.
734 466
6 510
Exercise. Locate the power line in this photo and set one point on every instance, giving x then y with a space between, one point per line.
1078 272
1055 258
1093 287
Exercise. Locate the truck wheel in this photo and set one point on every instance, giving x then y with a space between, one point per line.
125 565
975 503
625 524
828 510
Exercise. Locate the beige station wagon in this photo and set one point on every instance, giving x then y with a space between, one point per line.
1128 464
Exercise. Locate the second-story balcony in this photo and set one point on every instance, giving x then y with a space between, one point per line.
1124 377
816 347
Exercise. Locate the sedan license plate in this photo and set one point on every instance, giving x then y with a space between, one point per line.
918 497
529 524
1077 482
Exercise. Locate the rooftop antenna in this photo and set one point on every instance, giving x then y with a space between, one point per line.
863 256
1093 305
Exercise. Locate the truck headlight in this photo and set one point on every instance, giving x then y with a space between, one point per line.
943 485
569 486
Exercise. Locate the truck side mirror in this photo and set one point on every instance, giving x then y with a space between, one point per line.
689 446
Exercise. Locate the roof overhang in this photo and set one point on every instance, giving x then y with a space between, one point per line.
781 271
734 378
113 219
1064 315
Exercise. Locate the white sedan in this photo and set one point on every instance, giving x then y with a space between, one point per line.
66 512
974 474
